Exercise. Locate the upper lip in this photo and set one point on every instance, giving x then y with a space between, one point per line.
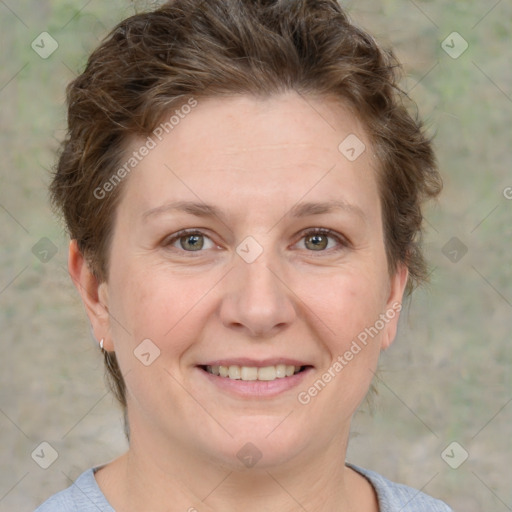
259 363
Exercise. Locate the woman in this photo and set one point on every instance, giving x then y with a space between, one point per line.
243 190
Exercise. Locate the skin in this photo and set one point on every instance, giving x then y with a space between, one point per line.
254 159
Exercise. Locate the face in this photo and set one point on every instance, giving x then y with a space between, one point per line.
282 271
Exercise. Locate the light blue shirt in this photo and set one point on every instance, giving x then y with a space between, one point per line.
85 496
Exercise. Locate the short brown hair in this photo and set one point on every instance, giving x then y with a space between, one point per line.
154 61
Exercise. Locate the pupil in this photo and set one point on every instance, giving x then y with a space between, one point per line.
317 242
194 244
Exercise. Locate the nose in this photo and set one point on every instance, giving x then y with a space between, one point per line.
257 300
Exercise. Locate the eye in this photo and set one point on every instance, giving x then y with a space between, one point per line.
188 240
317 240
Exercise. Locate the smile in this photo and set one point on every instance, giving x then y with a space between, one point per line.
249 373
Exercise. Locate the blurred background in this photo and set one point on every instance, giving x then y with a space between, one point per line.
441 421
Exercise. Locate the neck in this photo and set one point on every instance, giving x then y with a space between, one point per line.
149 477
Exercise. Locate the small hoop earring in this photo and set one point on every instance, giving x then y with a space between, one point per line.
101 343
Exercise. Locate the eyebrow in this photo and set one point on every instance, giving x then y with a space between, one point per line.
299 210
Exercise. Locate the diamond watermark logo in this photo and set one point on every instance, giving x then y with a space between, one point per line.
351 147
44 455
249 455
249 249
44 250
454 455
454 45
454 249
44 45
147 352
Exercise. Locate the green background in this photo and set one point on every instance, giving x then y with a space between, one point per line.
447 376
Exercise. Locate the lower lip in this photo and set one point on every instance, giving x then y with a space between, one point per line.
256 388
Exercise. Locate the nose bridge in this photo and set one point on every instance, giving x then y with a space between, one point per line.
258 299
258 278
259 287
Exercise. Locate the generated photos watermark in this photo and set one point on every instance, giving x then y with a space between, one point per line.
151 142
305 397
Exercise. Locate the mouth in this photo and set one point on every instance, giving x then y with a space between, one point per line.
254 373
254 379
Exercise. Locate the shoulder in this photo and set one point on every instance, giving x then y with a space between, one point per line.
83 495
395 497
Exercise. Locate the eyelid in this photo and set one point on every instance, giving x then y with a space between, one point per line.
169 240
343 241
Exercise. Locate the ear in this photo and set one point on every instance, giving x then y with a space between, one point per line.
398 283
94 295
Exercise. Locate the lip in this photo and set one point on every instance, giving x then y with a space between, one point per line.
255 388
258 363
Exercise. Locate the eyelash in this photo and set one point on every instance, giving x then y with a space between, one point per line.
342 241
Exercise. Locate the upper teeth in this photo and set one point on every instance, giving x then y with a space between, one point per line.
254 373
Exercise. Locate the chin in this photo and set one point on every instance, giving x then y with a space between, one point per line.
260 445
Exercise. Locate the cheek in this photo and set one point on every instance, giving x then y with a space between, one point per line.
348 303
153 303
351 309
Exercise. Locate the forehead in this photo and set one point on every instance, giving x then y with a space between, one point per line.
240 125
245 149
